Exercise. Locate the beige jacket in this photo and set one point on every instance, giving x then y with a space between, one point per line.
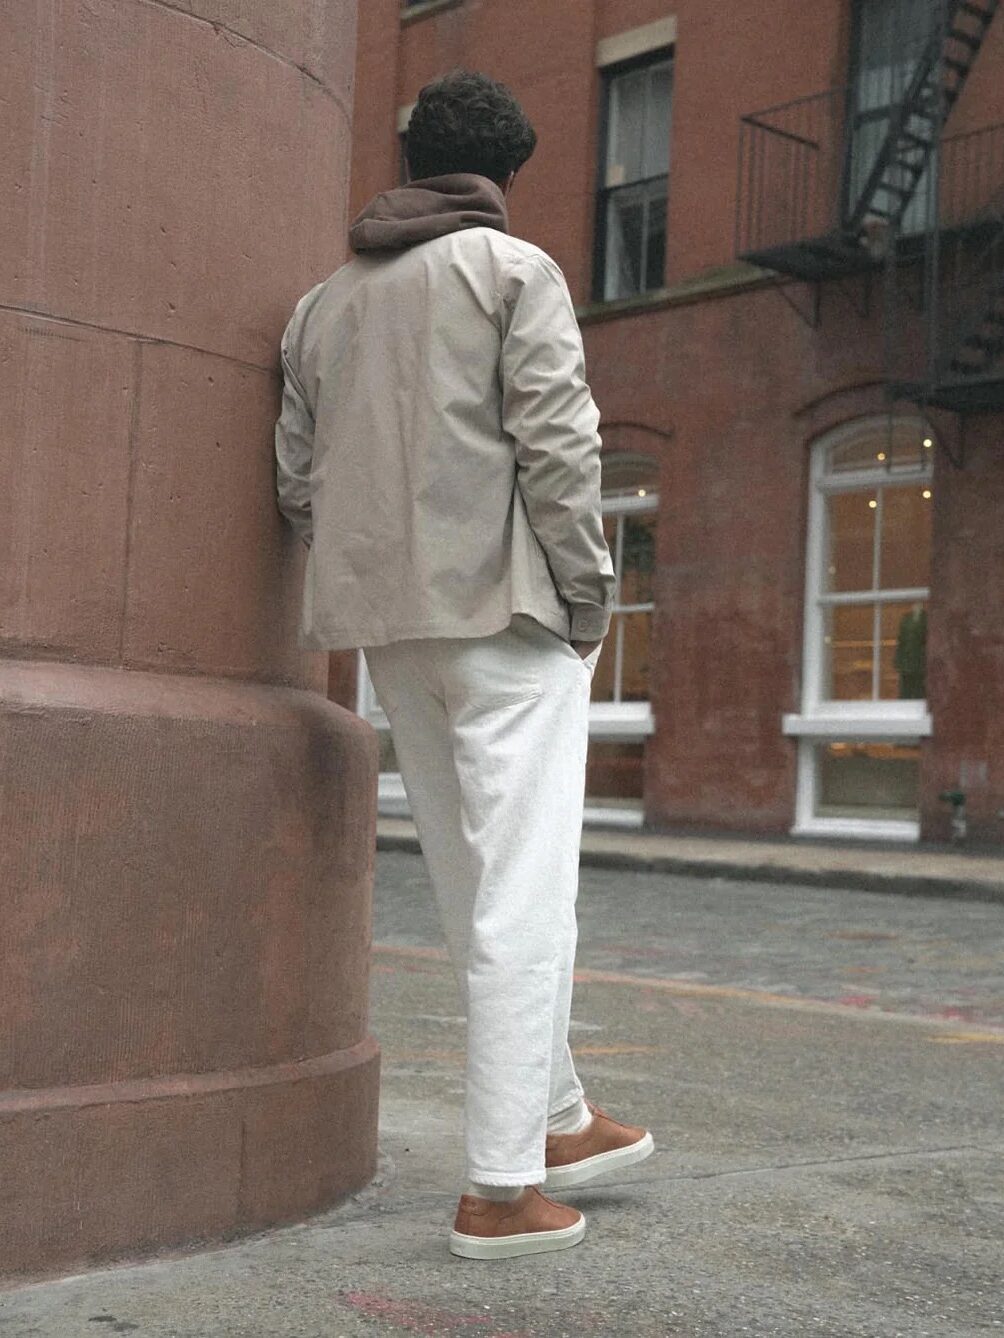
438 448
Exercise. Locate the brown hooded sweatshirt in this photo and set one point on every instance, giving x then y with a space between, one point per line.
438 447
422 210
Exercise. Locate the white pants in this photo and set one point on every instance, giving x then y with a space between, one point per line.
490 735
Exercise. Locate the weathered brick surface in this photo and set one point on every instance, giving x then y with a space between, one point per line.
728 391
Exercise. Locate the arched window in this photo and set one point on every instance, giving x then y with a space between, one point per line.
630 501
620 714
864 661
874 491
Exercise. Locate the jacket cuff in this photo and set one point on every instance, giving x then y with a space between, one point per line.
589 623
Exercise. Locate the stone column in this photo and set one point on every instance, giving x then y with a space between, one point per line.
186 824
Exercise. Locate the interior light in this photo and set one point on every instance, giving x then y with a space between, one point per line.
881 455
928 443
927 493
642 492
873 504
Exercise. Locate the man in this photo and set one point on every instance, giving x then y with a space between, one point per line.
438 452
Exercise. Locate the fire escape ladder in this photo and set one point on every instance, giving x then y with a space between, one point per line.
916 121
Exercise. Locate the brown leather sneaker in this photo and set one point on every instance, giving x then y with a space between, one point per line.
530 1224
603 1145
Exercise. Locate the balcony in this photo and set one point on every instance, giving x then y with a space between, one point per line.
830 184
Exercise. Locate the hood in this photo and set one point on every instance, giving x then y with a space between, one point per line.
422 210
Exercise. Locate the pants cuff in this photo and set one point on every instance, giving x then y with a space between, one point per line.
507 1180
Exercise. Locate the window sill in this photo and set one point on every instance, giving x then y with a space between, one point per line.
718 282
597 814
413 13
620 721
890 724
859 829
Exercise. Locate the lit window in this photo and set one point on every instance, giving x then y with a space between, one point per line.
876 571
630 504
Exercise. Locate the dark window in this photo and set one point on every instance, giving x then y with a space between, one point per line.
889 39
634 178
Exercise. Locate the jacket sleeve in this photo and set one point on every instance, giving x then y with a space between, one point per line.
294 449
548 410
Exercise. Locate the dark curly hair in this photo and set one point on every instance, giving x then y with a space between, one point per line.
466 122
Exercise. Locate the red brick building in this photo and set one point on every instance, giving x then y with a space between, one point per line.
792 329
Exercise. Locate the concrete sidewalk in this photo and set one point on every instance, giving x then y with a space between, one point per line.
821 1071
916 871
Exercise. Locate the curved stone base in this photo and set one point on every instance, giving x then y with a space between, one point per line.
185 879
93 1174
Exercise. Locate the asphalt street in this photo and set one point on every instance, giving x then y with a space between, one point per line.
823 1072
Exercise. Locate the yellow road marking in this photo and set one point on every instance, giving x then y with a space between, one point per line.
970 1038
739 994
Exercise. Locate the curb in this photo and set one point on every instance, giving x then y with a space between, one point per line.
851 880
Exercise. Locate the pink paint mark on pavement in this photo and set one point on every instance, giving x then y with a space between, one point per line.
417 1317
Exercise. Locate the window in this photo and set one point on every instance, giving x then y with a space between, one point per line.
889 39
864 688
872 595
634 176
867 780
629 511
620 713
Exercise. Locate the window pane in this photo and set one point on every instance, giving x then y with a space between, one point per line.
605 673
867 780
880 449
638 558
891 36
905 561
628 475
903 663
848 658
632 631
614 772
388 758
636 635
859 453
625 222
655 253
852 541
627 127
655 161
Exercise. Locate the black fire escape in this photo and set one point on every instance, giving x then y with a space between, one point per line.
850 182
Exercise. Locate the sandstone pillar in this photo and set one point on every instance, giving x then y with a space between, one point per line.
186 824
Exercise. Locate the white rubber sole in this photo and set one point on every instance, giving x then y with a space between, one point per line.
580 1172
526 1242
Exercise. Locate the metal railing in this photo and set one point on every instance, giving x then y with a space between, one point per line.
970 177
796 168
791 170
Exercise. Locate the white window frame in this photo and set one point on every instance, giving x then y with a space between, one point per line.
821 719
619 721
